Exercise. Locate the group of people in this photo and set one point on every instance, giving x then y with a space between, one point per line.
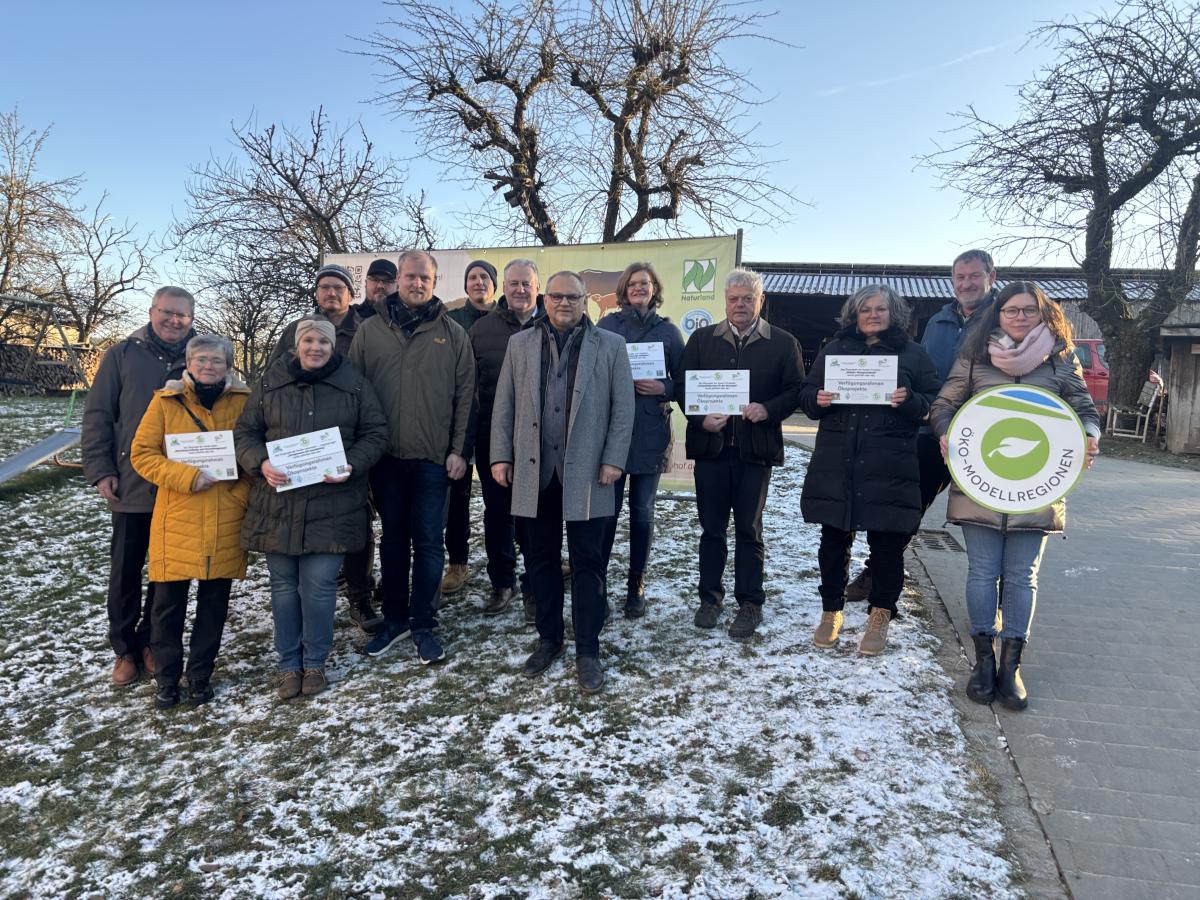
543 402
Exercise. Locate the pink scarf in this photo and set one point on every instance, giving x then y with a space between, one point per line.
1020 359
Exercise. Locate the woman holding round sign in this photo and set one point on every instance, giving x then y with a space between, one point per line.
1017 427
305 530
869 389
184 447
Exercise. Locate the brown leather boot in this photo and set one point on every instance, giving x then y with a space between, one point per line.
125 670
454 579
148 661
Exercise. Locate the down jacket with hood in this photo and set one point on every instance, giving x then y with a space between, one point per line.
192 534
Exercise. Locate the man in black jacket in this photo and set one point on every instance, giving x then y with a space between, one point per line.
129 374
734 454
519 307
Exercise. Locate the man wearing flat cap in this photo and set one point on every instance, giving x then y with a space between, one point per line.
479 282
381 282
334 288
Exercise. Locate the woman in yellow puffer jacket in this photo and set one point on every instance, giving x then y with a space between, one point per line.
195 532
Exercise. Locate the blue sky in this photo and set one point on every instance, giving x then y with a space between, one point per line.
139 92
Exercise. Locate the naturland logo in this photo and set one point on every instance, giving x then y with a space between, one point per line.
1016 448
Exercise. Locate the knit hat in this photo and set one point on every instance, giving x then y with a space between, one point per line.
323 326
382 268
337 272
481 264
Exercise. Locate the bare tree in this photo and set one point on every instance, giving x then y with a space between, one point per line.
259 222
592 120
94 270
1098 135
35 212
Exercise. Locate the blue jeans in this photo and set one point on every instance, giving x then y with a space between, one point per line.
411 496
643 489
303 598
1015 555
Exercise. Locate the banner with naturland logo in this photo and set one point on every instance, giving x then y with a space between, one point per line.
692 271
1016 448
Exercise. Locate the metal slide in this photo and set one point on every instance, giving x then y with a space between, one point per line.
39 452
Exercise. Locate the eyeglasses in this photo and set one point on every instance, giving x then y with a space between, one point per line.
332 288
565 298
217 362
169 314
513 285
1025 312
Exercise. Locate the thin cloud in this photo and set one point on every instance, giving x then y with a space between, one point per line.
916 73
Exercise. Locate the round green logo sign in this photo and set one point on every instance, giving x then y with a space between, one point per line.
1015 449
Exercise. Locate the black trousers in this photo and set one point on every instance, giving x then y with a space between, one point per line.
128 613
208 624
725 485
585 549
500 527
357 569
887 566
458 520
935 476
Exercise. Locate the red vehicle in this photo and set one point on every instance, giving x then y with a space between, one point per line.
1095 372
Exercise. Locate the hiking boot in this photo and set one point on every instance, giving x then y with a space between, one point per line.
148 661
364 616
635 597
589 674
500 601
1010 690
566 570
428 648
828 630
455 577
748 618
981 686
859 589
541 658
289 685
313 682
530 609
125 671
199 691
385 638
707 615
874 639
167 695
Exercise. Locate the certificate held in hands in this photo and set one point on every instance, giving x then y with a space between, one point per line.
308 458
861 379
209 451
716 392
647 360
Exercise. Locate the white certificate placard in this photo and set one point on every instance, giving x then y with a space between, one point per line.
861 379
209 451
308 458
716 391
647 360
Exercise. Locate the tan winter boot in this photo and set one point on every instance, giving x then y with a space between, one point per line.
874 639
828 630
454 579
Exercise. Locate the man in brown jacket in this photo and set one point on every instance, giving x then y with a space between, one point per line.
129 374
420 363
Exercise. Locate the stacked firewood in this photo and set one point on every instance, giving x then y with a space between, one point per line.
51 370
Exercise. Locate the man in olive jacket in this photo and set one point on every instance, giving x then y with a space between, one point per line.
420 363
131 371
734 454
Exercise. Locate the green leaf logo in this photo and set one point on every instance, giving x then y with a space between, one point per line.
1015 449
699 275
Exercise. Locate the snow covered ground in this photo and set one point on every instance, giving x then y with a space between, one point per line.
706 768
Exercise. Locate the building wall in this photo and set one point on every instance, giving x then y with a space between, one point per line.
1183 392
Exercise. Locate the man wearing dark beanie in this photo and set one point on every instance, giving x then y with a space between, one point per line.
479 282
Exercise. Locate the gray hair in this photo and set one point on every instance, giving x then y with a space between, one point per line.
567 273
976 255
899 314
171 291
210 342
521 262
745 278
416 254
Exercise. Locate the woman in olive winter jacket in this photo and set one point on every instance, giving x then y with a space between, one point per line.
1026 340
197 518
864 474
639 294
305 531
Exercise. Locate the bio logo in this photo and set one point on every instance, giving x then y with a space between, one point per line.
1015 449
695 319
699 275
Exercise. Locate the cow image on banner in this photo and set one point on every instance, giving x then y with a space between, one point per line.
1016 448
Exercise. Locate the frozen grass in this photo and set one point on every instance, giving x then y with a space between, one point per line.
706 768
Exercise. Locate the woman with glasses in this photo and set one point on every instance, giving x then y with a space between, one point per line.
195 531
1025 339
639 295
